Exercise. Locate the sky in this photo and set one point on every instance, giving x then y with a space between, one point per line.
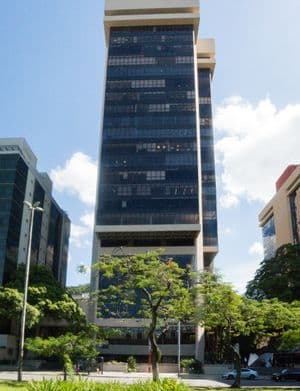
52 60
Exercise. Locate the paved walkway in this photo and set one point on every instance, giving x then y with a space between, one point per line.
121 377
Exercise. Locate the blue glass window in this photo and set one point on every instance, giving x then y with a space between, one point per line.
149 159
269 238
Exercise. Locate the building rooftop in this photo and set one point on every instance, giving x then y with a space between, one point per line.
121 13
285 175
206 54
288 181
20 145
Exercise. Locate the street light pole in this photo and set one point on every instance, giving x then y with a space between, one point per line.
32 209
179 347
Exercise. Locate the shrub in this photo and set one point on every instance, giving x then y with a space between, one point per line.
196 367
82 385
186 363
131 364
192 365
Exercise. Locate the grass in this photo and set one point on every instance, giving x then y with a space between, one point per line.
12 385
15 386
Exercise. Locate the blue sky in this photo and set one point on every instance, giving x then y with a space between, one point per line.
52 80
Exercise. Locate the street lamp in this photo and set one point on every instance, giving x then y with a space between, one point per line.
179 347
32 209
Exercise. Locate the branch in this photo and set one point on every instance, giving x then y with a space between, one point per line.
148 296
161 297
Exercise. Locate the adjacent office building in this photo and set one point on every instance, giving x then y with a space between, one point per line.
280 218
156 185
19 181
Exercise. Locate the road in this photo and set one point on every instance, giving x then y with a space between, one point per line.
196 381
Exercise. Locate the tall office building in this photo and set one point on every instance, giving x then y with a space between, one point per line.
19 181
156 185
280 218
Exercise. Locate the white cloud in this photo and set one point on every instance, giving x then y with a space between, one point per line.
78 177
255 144
240 274
81 234
227 231
78 234
88 220
228 200
256 249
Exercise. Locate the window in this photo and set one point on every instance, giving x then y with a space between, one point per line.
269 238
149 147
131 60
156 175
190 94
148 83
160 108
205 121
124 191
184 60
204 100
143 190
294 199
124 175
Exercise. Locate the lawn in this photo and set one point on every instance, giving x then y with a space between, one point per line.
12 385
15 386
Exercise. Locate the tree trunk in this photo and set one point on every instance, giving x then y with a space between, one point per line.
155 352
237 367
155 357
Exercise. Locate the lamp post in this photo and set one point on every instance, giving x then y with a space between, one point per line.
179 347
32 209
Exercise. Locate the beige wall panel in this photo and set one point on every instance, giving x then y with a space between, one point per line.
279 207
117 5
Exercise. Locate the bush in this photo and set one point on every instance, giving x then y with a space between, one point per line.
164 385
186 363
196 367
81 385
131 364
192 365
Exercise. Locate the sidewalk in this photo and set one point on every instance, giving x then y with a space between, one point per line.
110 377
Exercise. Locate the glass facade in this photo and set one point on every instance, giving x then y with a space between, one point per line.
13 178
269 238
115 307
209 200
38 196
295 214
19 179
149 171
54 240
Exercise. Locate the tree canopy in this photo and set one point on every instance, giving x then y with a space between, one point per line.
230 317
46 298
11 304
278 277
68 347
154 287
78 290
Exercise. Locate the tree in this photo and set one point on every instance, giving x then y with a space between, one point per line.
47 297
290 340
231 316
278 277
68 347
158 286
11 303
78 290
220 312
